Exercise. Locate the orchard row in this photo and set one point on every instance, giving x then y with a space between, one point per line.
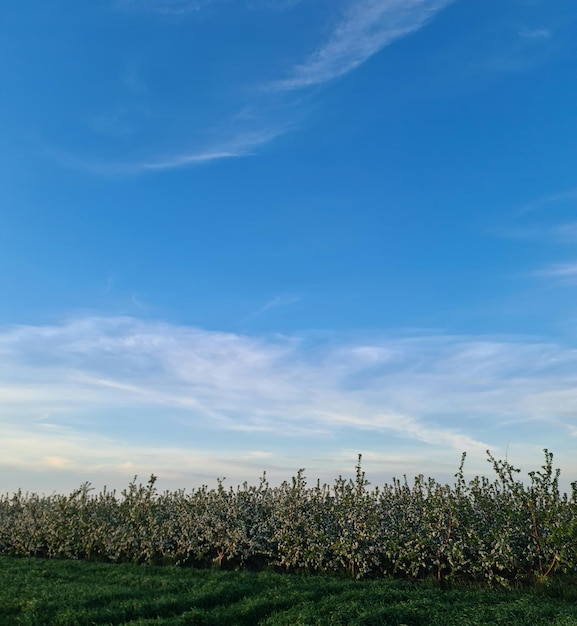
499 531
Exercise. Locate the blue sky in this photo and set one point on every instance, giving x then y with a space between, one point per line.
247 235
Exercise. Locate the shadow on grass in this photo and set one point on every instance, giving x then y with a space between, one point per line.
34 591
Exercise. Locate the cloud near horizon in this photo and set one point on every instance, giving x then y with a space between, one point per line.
70 392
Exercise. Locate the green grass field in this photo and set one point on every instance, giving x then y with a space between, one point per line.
38 591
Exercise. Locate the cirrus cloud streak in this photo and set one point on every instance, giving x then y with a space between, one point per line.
78 386
368 27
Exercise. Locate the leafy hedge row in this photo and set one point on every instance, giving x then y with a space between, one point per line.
499 531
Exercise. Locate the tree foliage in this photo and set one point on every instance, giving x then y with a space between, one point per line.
502 531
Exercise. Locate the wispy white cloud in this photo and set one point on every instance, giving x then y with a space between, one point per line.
257 454
562 197
95 457
238 145
367 27
566 232
77 386
184 7
565 272
275 303
534 33
180 160
272 5
164 7
131 167
559 233
241 144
